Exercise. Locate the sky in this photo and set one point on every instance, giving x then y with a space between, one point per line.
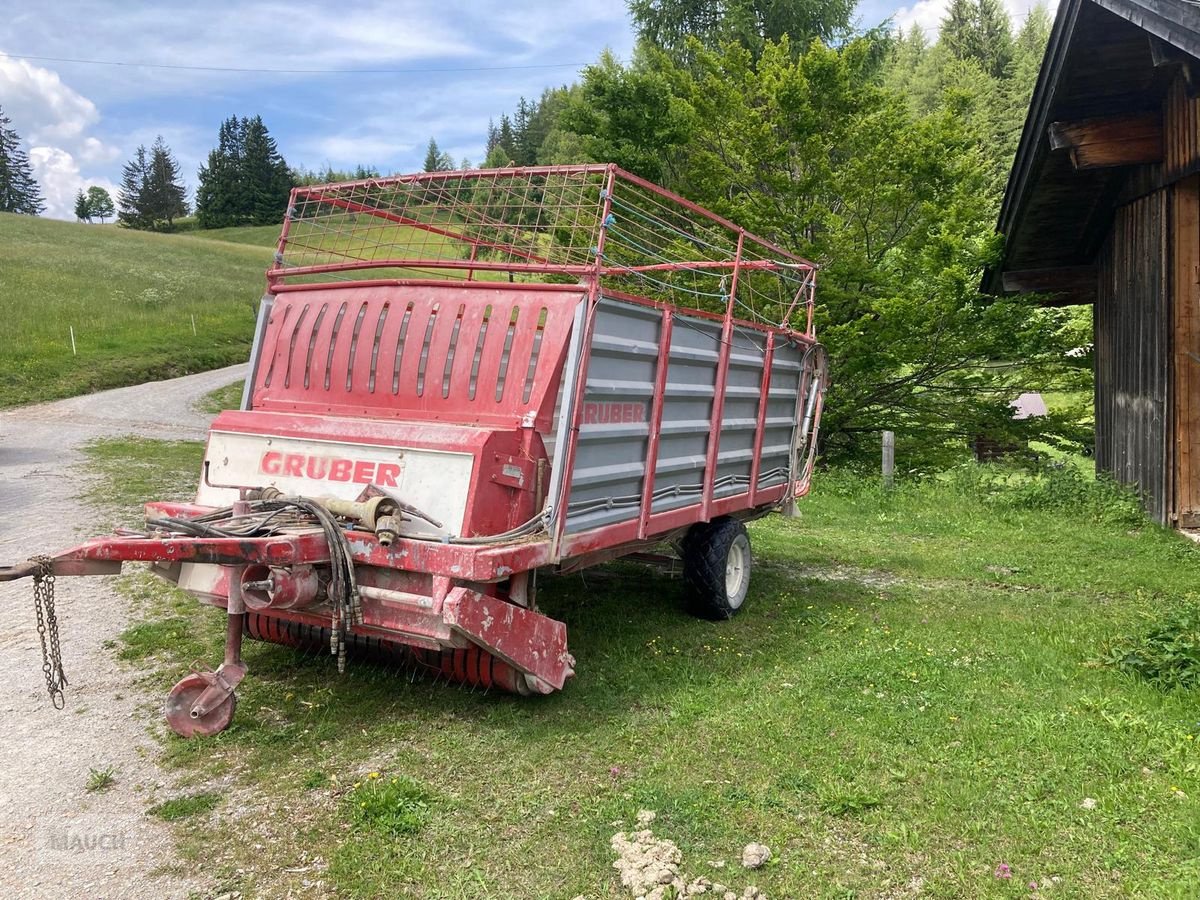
390 75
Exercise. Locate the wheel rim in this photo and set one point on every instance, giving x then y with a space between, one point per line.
737 571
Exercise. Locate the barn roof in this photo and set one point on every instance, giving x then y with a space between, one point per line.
1094 129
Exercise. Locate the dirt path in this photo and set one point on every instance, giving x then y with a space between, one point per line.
56 838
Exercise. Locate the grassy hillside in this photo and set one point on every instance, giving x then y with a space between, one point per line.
131 298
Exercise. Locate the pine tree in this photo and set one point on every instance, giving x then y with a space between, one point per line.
100 203
131 200
959 32
265 175
83 209
436 160
995 37
218 183
163 196
19 191
246 180
979 30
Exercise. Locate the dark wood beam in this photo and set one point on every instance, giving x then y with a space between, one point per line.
1127 140
1065 286
1168 56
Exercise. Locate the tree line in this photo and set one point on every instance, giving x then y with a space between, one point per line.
880 155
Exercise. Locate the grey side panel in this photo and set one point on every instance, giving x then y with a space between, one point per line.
687 412
610 458
739 421
779 425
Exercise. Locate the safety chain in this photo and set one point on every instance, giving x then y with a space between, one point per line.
47 626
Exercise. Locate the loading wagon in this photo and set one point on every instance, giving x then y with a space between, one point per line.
460 379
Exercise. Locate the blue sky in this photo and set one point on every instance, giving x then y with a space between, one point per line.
462 63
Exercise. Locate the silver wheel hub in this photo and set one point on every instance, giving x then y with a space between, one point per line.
737 571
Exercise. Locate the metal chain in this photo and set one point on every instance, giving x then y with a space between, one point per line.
47 628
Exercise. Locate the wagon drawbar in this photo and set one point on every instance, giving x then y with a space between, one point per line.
460 378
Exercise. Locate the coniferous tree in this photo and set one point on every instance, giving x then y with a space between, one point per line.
164 195
218 187
246 180
266 177
436 160
131 200
995 37
19 191
83 209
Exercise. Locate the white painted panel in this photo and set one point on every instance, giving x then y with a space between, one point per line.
434 481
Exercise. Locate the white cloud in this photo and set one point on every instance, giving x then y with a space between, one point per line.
928 14
58 173
53 120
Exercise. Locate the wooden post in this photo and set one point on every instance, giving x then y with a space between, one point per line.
889 457
72 327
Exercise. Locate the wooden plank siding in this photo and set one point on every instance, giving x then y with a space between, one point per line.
1181 131
1133 351
1185 448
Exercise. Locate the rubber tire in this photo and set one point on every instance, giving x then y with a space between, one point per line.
706 551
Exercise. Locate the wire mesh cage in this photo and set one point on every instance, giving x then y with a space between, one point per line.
592 224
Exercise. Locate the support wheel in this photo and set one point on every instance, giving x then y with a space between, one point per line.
179 705
716 567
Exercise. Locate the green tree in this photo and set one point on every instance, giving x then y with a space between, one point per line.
132 204
83 210
100 203
436 160
246 180
220 200
812 152
633 116
163 196
19 191
669 24
267 180
980 30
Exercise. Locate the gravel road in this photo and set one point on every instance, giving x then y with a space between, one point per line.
56 838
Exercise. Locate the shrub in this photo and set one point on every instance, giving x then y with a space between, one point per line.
1167 656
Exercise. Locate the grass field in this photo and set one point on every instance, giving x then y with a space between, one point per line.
915 701
131 299
142 306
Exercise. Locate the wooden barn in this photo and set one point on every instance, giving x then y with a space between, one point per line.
1103 208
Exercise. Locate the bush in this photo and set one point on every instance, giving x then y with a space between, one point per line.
1168 656
1065 489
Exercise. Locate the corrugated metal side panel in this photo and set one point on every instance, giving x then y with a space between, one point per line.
687 413
1132 319
779 424
739 419
610 459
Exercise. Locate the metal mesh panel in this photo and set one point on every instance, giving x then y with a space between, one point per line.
550 224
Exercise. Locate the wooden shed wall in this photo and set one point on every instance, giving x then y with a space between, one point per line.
1133 358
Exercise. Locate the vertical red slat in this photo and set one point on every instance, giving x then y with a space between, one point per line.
764 396
585 357
718 406
656 411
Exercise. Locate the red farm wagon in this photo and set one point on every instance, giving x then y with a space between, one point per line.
460 378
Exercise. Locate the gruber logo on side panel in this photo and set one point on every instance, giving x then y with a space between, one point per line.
613 413
329 468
